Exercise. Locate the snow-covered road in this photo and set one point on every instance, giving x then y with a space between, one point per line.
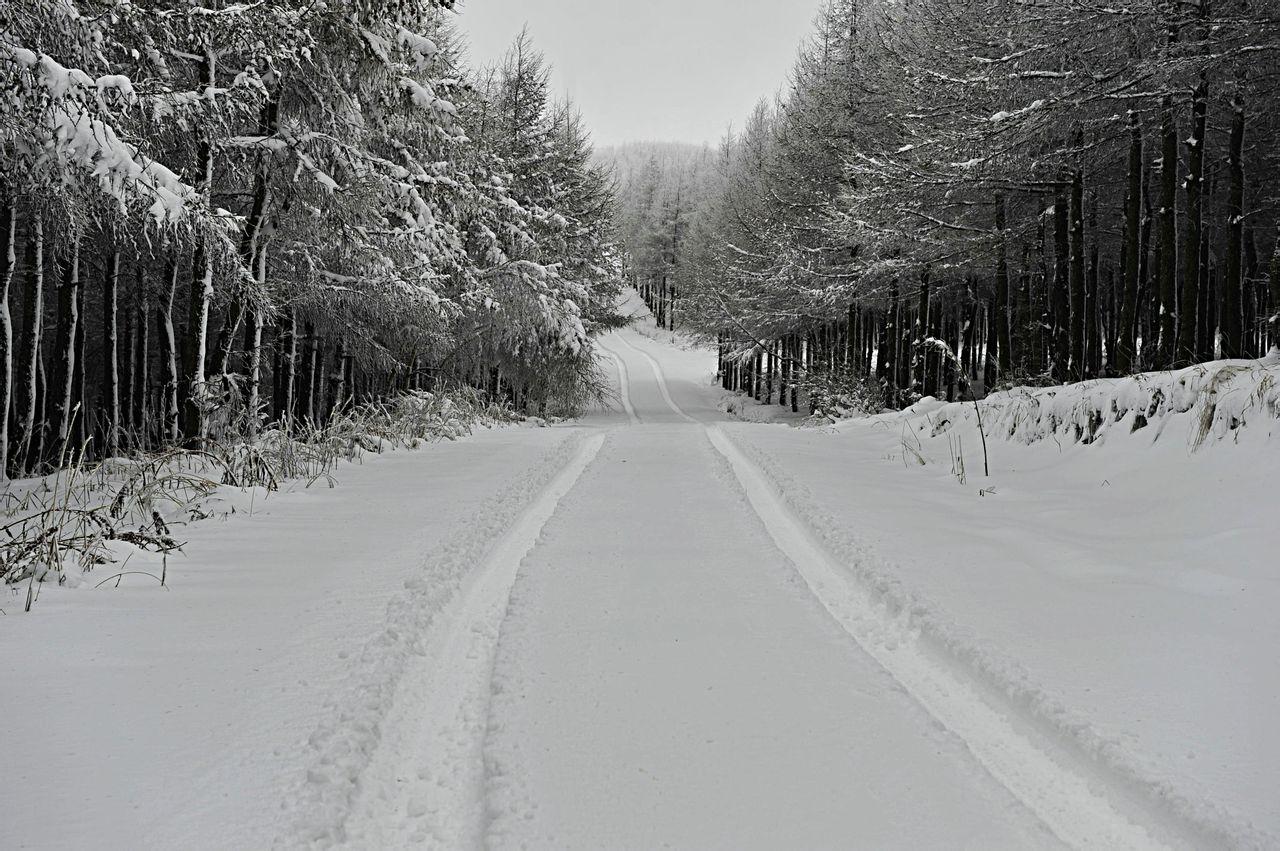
614 634
665 678
658 654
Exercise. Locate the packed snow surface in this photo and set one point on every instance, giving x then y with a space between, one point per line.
661 626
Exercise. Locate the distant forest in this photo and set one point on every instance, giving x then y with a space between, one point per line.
950 196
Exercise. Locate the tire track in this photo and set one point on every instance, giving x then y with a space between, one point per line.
662 381
1063 798
624 386
399 762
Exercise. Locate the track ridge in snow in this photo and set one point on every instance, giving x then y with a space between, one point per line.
624 387
418 697
1177 819
1061 798
661 379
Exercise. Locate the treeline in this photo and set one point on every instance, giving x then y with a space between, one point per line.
218 215
661 186
954 195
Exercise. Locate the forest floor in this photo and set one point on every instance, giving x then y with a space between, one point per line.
660 625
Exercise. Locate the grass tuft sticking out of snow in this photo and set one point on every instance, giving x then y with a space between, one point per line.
59 527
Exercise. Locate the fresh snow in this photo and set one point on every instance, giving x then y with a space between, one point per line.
662 625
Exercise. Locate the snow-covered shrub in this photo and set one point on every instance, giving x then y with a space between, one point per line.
839 394
1212 402
61 526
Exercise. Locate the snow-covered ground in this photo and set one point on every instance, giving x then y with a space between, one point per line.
140 717
1120 593
663 626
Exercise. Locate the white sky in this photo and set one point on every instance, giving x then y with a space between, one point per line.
668 70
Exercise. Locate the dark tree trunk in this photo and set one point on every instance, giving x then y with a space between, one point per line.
337 381
991 363
1274 321
1233 284
1189 303
141 410
1126 328
62 398
1061 302
8 262
80 425
29 350
169 376
111 354
1004 339
1079 304
1207 322
287 347
195 349
1092 302
311 377
1254 298
796 373
1168 236
921 334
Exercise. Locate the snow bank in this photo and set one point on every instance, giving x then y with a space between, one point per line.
1206 403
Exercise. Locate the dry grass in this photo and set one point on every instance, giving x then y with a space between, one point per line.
86 514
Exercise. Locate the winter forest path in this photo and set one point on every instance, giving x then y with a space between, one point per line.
660 655
608 633
665 678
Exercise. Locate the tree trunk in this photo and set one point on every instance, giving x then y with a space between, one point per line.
1168 236
29 351
169 377
141 413
62 391
111 355
1061 301
287 344
1275 291
1189 303
1254 298
337 390
1092 301
920 334
796 373
80 425
991 368
1126 330
1004 339
1233 284
1078 301
8 262
310 377
255 371
196 348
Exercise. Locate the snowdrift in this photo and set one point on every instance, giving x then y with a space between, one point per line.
1235 400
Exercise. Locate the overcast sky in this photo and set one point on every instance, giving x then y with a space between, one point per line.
670 70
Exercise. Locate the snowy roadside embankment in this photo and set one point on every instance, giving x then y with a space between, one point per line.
121 520
345 742
1204 403
148 717
1113 579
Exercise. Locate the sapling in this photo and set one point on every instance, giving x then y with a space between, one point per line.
967 387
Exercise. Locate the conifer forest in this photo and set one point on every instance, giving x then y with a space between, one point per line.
532 424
